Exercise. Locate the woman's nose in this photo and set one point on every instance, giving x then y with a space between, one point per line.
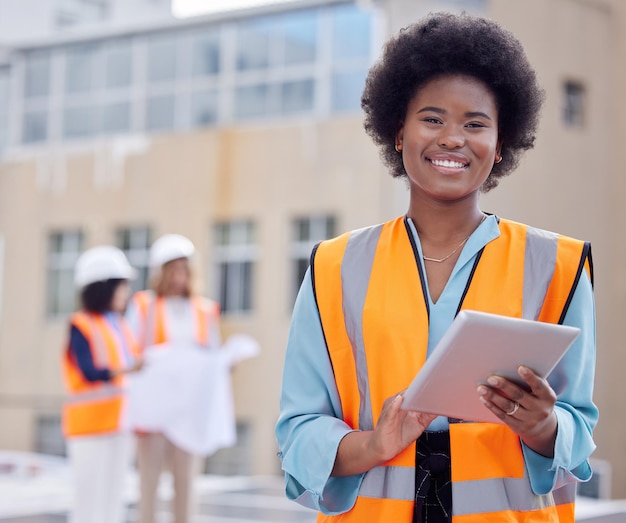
451 138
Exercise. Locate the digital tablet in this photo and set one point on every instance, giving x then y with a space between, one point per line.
476 346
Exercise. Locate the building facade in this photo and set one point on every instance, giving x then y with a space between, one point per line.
242 130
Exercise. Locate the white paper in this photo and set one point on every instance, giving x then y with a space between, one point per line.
185 392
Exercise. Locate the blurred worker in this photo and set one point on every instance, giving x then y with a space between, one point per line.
170 316
100 351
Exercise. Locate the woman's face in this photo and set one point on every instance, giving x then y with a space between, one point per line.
449 139
121 294
177 275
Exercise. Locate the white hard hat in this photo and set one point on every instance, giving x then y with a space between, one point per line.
170 247
100 264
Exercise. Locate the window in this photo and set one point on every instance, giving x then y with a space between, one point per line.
97 89
205 53
4 106
306 233
63 251
80 69
115 117
574 104
254 37
351 38
296 63
235 254
118 64
36 90
49 437
162 58
204 107
37 74
135 242
35 126
160 112
79 121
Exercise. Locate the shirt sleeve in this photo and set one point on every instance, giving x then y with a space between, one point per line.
572 380
79 347
310 425
133 318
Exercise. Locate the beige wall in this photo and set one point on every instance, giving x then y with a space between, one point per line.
571 182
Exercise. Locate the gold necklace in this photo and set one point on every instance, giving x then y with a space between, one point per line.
440 260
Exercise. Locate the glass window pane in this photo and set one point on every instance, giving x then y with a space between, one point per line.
297 96
252 100
346 90
160 112
116 117
162 58
246 286
253 43
302 229
223 291
37 74
63 250
204 108
574 103
118 64
4 88
351 33
80 67
79 121
300 42
4 107
35 126
205 58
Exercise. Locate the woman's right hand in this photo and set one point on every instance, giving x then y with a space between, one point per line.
398 428
135 367
360 451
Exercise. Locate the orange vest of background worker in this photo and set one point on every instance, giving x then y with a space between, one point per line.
489 477
170 314
101 349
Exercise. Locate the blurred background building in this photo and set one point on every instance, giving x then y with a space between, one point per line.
242 130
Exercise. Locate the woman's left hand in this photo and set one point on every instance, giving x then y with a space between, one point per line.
530 414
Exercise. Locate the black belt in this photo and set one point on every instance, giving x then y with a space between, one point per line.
433 486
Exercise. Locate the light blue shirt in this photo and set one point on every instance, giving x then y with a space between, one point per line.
310 426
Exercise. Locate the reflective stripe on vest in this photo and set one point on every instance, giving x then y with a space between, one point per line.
342 271
104 392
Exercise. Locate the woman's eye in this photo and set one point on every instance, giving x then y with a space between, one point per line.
432 120
475 124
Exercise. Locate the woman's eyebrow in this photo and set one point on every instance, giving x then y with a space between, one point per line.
439 110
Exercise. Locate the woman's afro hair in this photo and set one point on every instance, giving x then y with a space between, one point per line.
447 44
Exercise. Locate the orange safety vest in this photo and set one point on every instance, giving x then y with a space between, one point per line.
370 293
95 407
154 328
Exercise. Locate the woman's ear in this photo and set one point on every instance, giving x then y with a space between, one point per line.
399 138
498 157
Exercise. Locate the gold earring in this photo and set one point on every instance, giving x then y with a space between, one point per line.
398 148
499 159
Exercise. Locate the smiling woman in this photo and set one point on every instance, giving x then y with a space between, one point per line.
453 104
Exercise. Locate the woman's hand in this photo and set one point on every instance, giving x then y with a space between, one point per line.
530 414
135 367
360 451
397 428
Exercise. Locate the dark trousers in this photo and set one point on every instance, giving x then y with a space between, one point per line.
433 486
